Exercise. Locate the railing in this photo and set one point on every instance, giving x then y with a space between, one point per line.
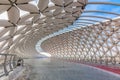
8 62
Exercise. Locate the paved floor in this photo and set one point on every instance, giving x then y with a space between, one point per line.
47 69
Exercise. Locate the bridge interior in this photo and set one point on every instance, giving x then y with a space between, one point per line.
59 40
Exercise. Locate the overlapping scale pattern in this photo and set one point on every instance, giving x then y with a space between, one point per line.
29 21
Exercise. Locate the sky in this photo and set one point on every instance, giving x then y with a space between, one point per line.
101 7
107 8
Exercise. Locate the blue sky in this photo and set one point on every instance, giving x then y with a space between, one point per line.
110 8
107 8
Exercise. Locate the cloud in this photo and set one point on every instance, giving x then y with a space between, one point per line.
107 8
102 0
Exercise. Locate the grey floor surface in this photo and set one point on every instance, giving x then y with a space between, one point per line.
47 69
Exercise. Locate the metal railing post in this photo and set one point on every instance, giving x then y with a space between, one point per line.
10 62
14 64
22 62
4 64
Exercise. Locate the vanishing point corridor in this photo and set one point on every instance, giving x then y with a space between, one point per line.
59 39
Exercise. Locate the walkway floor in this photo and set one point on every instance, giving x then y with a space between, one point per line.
47 69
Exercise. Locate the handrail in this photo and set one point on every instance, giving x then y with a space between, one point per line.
9 61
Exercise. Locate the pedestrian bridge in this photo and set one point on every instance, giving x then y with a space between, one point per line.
59 40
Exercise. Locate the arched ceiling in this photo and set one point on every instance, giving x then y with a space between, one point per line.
24 22
96 13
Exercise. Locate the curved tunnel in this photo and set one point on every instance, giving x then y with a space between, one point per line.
79 31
